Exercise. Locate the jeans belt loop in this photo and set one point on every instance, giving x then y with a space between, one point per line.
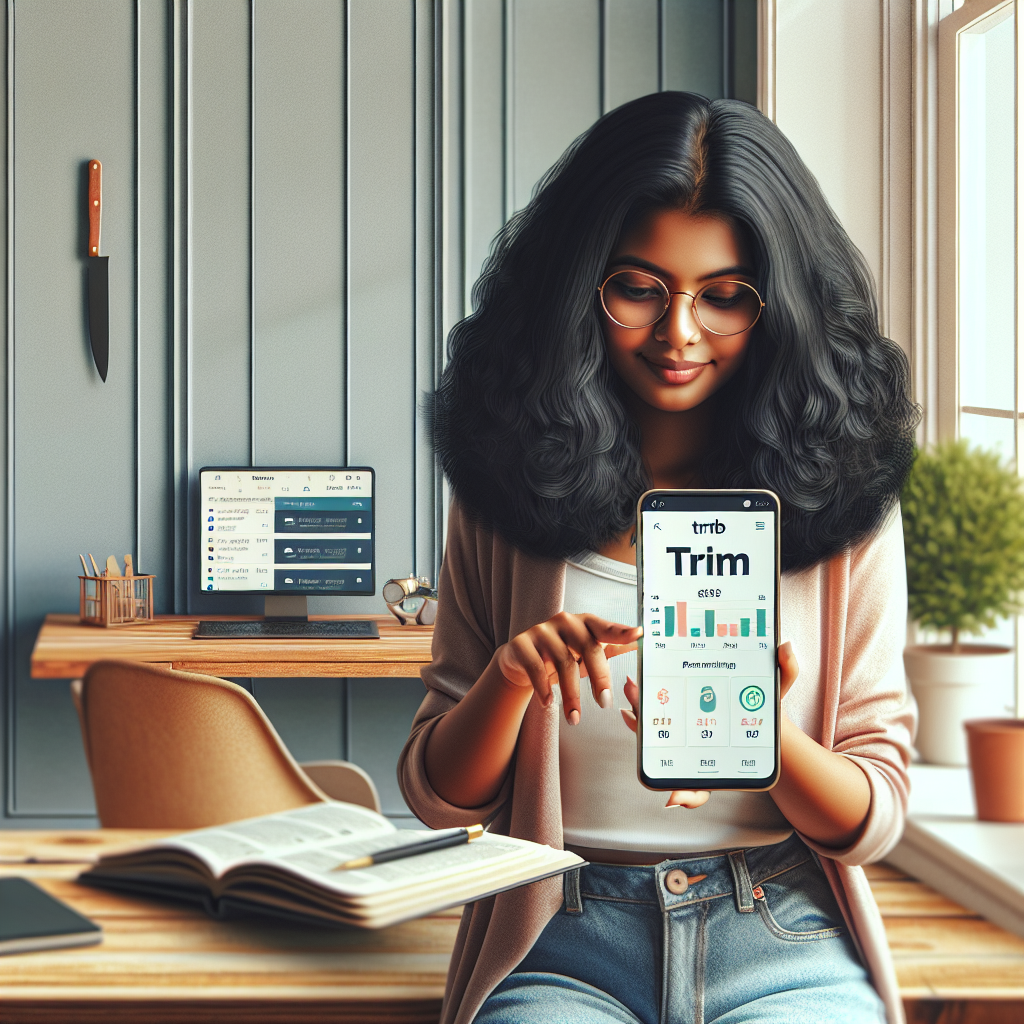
571 892
741 881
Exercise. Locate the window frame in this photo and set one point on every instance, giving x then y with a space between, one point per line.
949 407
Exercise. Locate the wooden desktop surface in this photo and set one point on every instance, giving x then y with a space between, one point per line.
65 648
162 962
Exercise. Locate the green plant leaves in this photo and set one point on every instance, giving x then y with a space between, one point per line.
963 526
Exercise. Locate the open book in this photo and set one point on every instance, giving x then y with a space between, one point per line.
282 864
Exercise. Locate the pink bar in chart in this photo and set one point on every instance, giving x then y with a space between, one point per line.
681 629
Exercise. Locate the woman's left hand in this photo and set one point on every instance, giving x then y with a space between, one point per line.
789 669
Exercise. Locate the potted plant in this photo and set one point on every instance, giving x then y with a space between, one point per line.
963 526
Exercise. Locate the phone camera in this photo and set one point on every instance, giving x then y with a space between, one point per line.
746 504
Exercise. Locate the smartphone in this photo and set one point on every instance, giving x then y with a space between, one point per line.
708 601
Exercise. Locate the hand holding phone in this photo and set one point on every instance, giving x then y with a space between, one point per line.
708 598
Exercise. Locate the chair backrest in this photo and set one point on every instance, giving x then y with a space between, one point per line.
177 750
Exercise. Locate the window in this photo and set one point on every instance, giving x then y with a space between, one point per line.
979 294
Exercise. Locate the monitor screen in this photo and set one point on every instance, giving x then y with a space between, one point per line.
286 531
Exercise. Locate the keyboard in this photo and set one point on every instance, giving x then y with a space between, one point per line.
283 629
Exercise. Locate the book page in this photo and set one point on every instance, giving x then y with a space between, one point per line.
485 853
268 837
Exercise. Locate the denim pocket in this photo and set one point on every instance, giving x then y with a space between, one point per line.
798 905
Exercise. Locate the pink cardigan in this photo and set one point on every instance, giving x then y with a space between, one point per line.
847 620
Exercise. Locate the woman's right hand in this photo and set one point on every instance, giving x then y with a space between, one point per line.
562 650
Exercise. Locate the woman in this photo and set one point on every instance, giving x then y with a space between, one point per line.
550 420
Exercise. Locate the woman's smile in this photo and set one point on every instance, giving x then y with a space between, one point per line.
671 372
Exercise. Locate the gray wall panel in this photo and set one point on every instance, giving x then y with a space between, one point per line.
382 385
380 715
555 78
427 540
73 435
694 47
388 140
155 550
220 234
298 224
220 384
483 151
308 714
630 50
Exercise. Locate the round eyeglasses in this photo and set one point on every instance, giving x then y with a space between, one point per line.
634 299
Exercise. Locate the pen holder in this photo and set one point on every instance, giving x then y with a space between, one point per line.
115 600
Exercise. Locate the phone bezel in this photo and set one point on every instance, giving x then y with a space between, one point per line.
743 785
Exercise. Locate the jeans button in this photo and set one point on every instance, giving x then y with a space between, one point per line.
676 882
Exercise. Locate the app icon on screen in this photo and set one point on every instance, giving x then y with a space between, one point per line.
707 699
752 698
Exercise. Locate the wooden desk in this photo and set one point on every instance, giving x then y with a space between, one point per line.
65 648
161 963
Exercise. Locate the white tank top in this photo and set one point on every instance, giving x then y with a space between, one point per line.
603 804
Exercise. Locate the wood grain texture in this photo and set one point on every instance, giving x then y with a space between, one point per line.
166 963
65 648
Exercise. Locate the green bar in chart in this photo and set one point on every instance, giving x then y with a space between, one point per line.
670 621
762 626
709 622
695 631
744 627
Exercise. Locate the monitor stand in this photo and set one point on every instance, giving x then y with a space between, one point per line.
287 618
286 608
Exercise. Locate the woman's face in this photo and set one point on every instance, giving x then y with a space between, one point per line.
674 364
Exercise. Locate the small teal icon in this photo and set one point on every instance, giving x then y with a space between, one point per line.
751 698
707 699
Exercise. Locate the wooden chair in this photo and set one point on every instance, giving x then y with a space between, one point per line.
173 749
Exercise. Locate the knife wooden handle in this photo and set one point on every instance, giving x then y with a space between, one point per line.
95 205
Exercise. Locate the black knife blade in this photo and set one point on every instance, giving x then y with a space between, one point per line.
99 301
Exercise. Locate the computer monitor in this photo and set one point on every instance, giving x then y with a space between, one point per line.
286 533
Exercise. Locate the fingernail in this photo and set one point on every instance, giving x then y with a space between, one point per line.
604 698
574 717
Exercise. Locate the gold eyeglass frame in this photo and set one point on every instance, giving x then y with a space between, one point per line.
668 302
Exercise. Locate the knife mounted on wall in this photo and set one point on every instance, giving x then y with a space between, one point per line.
99 302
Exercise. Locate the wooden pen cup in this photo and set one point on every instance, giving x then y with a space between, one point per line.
115 600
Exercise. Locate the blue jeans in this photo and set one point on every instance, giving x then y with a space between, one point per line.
761 939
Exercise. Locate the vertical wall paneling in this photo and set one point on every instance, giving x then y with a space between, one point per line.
180 275
220 227
426 344
74 435
554 51
382 270
693 46
298 199
297 279
379 719
631 51
483 143
153 307
7 737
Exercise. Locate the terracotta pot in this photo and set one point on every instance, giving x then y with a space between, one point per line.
997 767
950 688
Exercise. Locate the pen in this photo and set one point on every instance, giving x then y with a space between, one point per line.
440 842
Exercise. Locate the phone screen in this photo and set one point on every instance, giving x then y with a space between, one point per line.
708 603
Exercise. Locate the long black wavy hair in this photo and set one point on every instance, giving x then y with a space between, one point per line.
528 422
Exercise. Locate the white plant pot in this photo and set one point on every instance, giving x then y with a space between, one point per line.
950 688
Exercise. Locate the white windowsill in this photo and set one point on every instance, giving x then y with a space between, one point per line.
979 864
